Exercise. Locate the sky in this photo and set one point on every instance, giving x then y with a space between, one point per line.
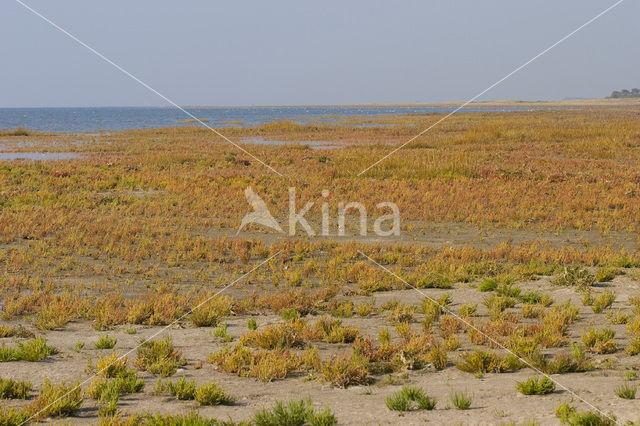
233 53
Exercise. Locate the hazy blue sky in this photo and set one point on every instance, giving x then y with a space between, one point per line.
203 52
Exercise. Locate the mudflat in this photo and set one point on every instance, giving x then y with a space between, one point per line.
509 293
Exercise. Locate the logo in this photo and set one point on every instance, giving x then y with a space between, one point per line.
384 226
260 214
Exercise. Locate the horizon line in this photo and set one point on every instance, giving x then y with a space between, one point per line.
347 105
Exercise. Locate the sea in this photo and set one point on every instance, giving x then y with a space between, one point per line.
121 118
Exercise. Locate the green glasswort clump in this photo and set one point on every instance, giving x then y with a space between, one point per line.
212 394
183 389
31 350
61 400
295 413
14 389
105 342
410 398
461 400
159 357
626 391
535 386
252 324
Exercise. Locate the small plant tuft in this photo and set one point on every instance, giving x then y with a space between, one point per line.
105 342
295 413
14 389
536 386
410 398
461 400
626 391
212 394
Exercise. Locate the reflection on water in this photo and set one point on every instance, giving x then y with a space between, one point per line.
39 156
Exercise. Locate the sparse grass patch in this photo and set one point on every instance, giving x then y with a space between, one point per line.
432 309
208 314
332 331
574 276
600 341
104 389
466 311
496 304
183 389
294 413
603 301
265 365
344 371
15 331
191 419
159 357
626 391
12 416
570 416
112 366
278 336
488 284
221 333
34 350
14 389
634 347
536 386
365 308
212 394
606 274
7 353
530 310
252 324
61 400
289 314
480 362
572 362
461 400
343 309
30 350
106 342
410 398
618 317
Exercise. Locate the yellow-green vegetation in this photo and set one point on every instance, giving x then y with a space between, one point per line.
461 400
569 415
600 341
159 357
208 312
410 398
536 386
481 362
11 416
603 301
30 350
509 220
183 389
294 413
105 342
57 400
212 394
14 389
626 391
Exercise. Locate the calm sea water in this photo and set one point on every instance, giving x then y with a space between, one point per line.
119 118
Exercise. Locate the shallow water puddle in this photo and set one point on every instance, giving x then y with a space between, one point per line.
39 156
312 144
